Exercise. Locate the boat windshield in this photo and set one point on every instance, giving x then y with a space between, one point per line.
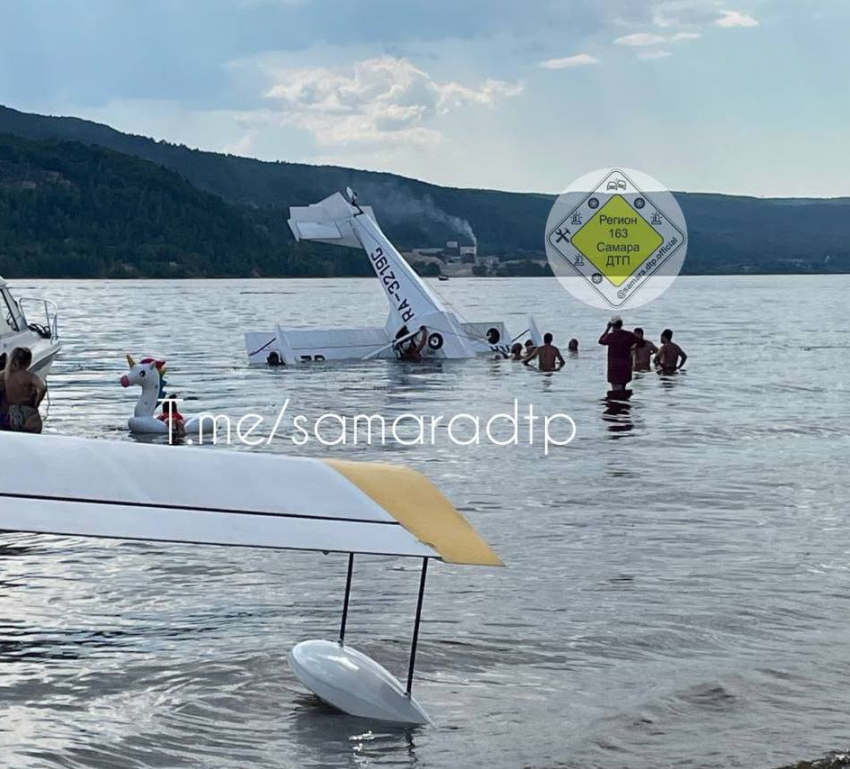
10 316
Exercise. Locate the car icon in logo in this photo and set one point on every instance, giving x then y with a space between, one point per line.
616 184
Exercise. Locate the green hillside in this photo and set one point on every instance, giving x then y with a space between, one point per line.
71 210
239 226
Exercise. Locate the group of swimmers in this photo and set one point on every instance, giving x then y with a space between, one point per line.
548 356
628 351
21 393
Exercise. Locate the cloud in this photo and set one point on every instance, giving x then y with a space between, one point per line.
653 55
376 100
640 39
675 13
644 39
736 19
579 60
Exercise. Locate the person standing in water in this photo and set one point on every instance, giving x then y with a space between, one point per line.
412 348
549 357
670 357
22 393
619 343
642 352
572 347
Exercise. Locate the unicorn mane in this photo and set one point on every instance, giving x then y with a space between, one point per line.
161 369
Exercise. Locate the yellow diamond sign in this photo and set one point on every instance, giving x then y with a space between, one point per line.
616 239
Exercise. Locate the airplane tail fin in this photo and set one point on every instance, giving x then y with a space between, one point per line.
339 222
328 221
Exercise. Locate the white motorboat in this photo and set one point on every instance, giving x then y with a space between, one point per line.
30 322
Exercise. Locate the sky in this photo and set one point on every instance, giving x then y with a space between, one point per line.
745 97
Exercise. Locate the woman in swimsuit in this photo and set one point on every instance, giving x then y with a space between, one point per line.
23 392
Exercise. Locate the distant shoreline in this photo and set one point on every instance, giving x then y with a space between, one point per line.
85 201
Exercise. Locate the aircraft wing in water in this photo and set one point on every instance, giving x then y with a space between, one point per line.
115 489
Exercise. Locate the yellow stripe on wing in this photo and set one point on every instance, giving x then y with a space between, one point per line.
421 508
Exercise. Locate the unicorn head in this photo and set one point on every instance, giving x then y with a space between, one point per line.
149 374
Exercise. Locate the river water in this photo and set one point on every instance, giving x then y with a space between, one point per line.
677 590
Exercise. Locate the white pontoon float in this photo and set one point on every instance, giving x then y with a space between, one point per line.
29 322
412 303
112 489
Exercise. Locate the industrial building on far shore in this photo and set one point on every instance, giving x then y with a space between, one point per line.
455 259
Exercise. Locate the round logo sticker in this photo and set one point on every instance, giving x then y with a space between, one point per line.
616 238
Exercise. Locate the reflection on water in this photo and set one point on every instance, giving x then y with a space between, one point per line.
342 736
618 416
687 579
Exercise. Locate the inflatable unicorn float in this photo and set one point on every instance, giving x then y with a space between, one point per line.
149 374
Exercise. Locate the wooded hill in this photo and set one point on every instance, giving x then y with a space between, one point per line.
79 198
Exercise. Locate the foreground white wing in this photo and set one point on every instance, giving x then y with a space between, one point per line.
101 488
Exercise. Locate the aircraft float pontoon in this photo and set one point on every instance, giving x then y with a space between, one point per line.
413 304
112 489
19 328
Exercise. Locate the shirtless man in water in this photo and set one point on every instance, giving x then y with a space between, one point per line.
22 393
642 352
669 355
549 357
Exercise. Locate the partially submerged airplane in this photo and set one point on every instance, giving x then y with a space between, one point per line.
413 304
111 489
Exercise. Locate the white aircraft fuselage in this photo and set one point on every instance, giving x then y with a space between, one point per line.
412 304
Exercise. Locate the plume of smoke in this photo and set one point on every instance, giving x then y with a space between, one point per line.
398 205
464 227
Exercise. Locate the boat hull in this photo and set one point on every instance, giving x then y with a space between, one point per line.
44 351
44 358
